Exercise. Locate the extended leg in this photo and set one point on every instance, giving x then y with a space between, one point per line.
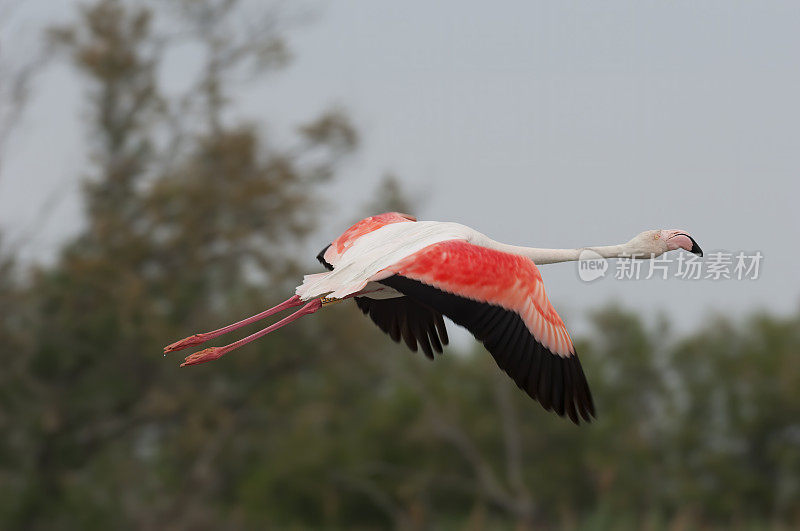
214 353
198 339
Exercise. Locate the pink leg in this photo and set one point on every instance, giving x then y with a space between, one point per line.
214 353
198 339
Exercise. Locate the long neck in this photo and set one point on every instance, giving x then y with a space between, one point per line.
552 256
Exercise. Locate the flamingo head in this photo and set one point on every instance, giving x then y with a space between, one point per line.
658 242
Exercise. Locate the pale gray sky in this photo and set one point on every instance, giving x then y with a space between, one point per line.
551 124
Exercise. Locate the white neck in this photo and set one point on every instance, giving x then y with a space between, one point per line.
553 256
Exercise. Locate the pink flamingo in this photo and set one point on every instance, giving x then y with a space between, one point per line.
406 274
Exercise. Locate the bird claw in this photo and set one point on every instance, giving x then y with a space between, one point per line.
187 342
209 354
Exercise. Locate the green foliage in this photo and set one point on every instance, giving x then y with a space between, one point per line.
192 223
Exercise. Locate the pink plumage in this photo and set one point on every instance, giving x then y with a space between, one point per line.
493 277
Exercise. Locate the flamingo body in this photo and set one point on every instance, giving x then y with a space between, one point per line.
348 237
369 257
432 269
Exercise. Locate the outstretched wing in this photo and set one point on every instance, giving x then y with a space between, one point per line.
403 319
500 298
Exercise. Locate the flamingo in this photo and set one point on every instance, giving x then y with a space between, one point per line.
406 275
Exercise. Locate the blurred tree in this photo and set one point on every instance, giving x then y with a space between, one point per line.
166 245
17 346
16 75
737 421
193 218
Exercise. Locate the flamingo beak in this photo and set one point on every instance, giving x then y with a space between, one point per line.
681 240
695 248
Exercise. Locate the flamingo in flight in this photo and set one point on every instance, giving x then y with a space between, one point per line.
407 274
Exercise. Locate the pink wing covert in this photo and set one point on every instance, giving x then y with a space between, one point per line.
486 275
366 225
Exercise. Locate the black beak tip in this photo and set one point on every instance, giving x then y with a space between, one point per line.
695 248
